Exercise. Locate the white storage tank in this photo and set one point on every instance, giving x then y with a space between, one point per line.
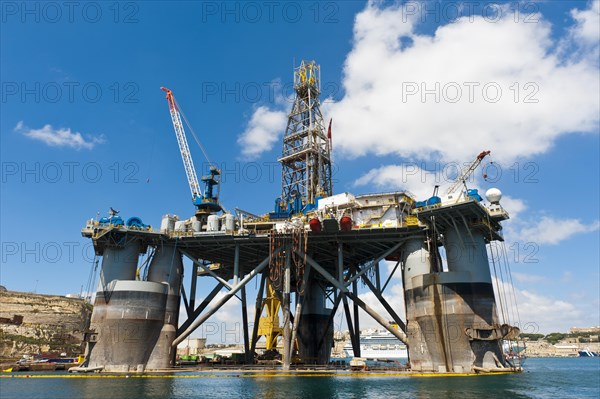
168 223
196 226
212 223
180 225
229 224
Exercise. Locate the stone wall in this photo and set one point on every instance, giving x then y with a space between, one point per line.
51 323
563 349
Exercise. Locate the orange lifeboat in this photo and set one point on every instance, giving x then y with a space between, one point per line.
315 225
346 223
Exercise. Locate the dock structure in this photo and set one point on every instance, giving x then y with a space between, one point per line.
310 253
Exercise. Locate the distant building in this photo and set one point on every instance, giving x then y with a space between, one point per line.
585 330
192 346
566 350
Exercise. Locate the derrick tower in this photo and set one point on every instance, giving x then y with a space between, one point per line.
306 157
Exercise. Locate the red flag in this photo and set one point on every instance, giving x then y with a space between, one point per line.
329 130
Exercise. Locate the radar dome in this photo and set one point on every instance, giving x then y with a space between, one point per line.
493 195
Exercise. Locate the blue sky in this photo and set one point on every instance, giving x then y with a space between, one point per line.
84 125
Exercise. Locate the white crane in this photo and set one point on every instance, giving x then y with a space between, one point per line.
465 175
205 202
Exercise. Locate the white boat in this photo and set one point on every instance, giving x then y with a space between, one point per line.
377 344
586 352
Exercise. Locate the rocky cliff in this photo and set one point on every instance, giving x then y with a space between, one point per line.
35 323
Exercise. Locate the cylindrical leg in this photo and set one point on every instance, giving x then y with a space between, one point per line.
314 327
166 268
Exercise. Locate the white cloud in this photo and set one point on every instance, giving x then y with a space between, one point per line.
225 326
373 117
528 278
414 179
263 130
550 230
514 206
534 312
62 137
393 294
587 27
408 177
540 313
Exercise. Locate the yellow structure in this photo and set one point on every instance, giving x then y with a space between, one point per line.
268 326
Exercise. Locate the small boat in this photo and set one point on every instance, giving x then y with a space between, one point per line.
588 353
8 370
358 363
86 369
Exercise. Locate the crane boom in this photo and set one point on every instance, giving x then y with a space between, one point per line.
465 175
188 163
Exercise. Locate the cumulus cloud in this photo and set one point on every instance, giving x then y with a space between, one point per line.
514 206
551 230
531 311
476 83
534 312
587 26
263 130
417 180
393 294
472 85
60 137
225 326
528 278
407 177
541 313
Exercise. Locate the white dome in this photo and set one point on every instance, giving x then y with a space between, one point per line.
493 195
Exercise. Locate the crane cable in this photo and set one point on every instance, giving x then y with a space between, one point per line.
499 283
511 285
193 133
91 279
510 298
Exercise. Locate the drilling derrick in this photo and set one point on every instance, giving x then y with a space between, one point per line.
309 266
306 157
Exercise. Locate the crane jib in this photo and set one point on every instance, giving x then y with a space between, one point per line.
207 201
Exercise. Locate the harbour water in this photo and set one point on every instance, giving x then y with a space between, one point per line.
543 378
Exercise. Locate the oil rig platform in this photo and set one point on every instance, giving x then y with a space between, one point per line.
308 254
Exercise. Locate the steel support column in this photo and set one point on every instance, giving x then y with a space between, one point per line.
258 311
236 264
196 312
400 335
193 287
385 304
356 319
207 270
188 310
286 311
353 340
245 326
222 301
298 313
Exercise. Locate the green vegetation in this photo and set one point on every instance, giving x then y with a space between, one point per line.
554 337
21 338
531 337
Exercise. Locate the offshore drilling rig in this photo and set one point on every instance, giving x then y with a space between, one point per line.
309 254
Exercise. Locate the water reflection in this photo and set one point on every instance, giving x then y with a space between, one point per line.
295 387
116 388
545 378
